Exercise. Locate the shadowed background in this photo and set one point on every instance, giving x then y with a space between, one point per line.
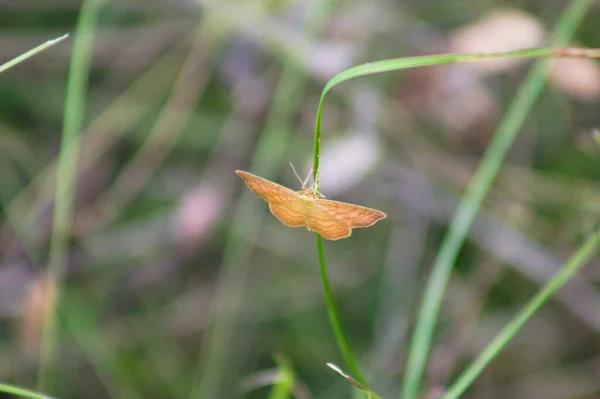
178 280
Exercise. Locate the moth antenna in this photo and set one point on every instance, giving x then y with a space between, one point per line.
307 177
298 177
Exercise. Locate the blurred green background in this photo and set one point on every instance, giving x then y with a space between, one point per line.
179 280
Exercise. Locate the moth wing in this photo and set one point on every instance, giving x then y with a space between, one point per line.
331 219
326 224
284 203
271 192
335 220
291 213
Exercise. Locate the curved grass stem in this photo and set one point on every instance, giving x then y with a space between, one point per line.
334 318
478 188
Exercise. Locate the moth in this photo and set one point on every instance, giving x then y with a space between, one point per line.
333 220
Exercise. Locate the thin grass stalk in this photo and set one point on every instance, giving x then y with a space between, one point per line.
32 52
24 393
396 64
286 378
370 394
66 174
227 307
334 318
267 156
471 202
380 67
480 184
115 115
567 271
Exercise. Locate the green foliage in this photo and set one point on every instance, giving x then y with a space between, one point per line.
162 281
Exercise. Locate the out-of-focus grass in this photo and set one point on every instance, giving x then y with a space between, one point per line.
21 392
463 220
32 52
219 347
66 177
143 258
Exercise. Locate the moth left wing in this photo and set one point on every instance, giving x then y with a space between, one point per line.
271 192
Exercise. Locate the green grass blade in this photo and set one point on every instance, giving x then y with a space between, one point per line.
67 170
31 53
9 389
334 319
284 387
396 64
471 202
483 177
584 254
212 369
462 221
370 394
212 365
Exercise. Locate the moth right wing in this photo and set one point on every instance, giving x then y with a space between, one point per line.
327 225
291 214
335 220
353 215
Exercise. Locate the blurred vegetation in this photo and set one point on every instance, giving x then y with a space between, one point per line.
181 94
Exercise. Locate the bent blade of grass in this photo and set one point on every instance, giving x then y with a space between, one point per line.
397 64
584 254
11 390
370 394
469 205
66 174
32 52
483 177
386 66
